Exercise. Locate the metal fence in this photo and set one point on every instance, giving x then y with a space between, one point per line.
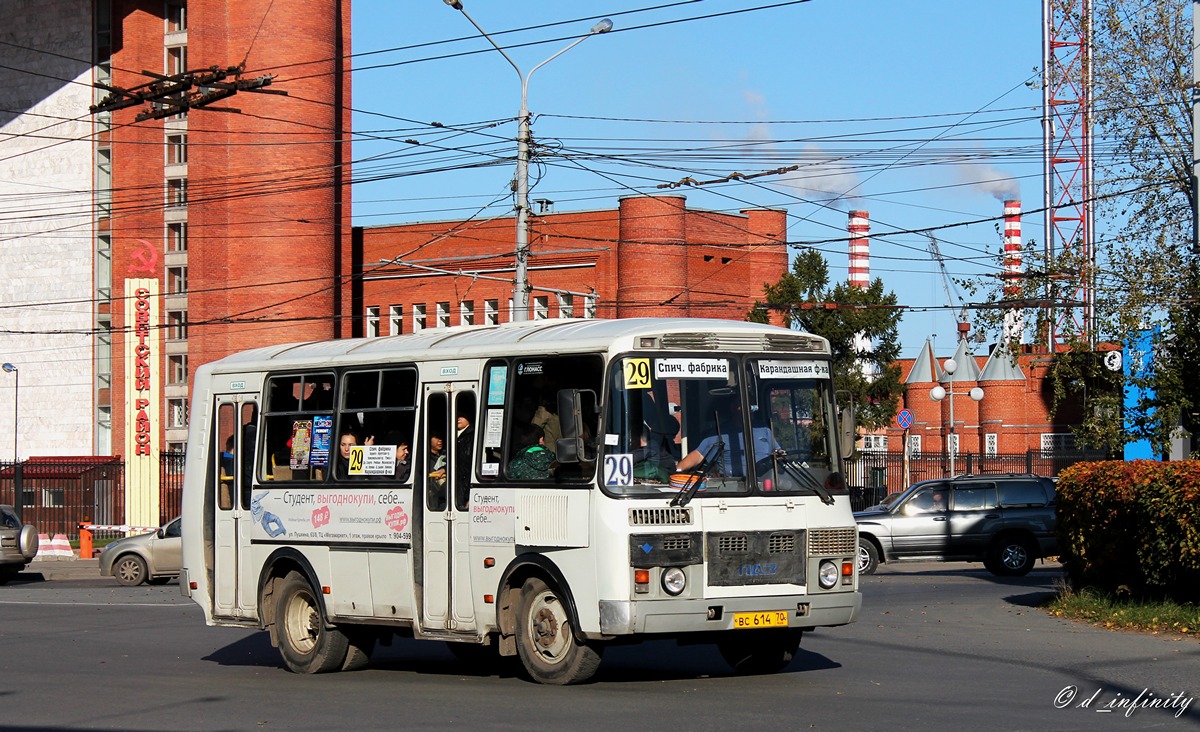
58 494
871 476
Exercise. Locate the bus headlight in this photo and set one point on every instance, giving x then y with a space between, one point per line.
828 575
673 580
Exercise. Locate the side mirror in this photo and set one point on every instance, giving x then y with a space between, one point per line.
847 433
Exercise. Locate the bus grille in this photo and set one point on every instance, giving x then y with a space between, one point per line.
740 558
676 516
832 542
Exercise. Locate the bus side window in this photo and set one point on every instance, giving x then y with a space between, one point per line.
225 462
464 446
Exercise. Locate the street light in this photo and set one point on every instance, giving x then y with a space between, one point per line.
524 138
938 393
16 395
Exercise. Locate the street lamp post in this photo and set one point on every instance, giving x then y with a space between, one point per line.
16 396
524 138
938 393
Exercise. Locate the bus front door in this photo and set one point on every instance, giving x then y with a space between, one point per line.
231 467
445 576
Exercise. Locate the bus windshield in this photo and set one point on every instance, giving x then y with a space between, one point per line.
719 426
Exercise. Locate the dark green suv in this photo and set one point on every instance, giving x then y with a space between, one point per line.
1005 521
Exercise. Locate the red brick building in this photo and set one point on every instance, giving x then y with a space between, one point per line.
650 256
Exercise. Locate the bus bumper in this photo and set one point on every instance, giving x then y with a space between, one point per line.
629 617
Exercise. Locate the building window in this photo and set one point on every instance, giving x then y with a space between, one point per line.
177 280
1057 442
589 306
875 443
176 413
541 307
177 325
177 369
466 312
176 192
991 444
443 315
177 237
418 318
491 312
103 182
176 60
566 305
372 322
176 149
104 355
104 267
176 14
914 446
396 319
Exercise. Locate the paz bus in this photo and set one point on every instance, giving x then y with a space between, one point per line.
539 489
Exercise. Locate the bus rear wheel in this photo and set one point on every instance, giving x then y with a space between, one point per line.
306 645
546 638
759 652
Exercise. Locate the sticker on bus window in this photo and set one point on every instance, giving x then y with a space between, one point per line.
793 369
372 460
322 438
497 382
637 373
618 469
489 470
691 368
610 439
494 428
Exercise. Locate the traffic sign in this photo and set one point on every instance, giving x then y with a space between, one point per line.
904 419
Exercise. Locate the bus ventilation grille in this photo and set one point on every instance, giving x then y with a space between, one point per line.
676 516
829 542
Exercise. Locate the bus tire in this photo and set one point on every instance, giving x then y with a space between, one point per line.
546 639
759 652
306 645
360 643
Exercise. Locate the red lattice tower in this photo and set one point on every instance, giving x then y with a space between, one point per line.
1067 137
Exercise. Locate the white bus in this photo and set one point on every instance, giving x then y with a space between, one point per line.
598 482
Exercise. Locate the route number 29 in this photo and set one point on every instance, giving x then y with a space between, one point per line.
618 469
637 373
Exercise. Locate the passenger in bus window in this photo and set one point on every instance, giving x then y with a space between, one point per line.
550 427
347 441
403 458
532 461
227 459
464 441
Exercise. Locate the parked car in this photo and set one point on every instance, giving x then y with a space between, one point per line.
18 543
1005 521
154 558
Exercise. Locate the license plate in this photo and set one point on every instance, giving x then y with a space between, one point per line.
769 619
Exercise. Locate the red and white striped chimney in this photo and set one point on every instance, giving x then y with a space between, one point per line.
860 254
1014 319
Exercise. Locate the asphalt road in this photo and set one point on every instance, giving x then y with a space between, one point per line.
938 647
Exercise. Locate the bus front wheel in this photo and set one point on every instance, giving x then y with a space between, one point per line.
546 639
307 646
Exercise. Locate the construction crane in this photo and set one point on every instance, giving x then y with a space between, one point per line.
960 317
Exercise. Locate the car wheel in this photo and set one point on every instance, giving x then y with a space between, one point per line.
868 557
130 570
305 643
751 652
546 640
1011 556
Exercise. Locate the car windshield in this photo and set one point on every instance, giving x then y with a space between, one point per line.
762 425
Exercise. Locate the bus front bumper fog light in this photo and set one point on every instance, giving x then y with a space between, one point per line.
673 580
828 575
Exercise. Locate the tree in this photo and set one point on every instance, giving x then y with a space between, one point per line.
841 314
1145 276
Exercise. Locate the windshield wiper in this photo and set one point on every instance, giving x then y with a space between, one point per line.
799 472
707 467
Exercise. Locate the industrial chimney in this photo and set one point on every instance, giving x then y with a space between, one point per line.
1014 319
860 255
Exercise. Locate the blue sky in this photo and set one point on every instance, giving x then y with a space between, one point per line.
918 112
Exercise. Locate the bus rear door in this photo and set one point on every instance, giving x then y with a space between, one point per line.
231 461
445 576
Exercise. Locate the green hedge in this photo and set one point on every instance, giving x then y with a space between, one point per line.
1132 527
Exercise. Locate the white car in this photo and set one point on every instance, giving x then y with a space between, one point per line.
154 558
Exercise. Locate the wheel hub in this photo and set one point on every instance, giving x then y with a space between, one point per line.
545 628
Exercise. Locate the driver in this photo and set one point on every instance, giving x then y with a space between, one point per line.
733 439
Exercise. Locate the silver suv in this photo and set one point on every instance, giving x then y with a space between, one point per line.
1005 521
18 543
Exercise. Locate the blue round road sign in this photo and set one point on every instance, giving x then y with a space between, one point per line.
904 419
